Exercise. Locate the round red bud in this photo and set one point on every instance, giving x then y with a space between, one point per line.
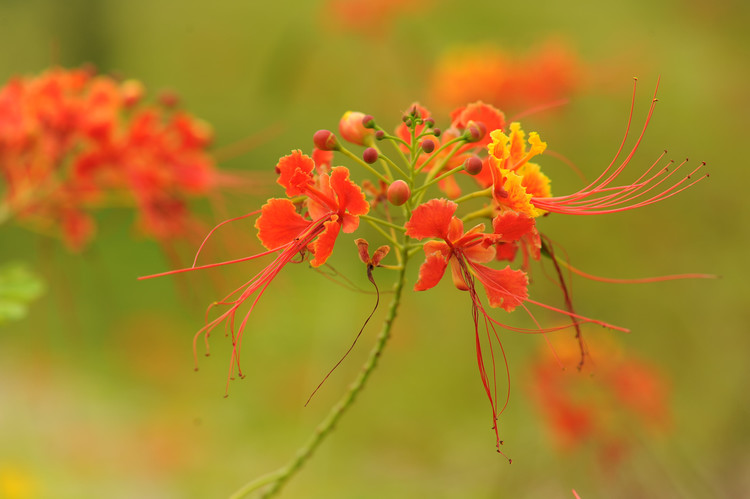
473 134
429 123
370 155
379 135
436 132
398 192
325 140
428 145
368 121
473 165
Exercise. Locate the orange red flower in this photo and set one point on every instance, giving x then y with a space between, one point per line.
598 406
548 73
72 141
333 200
323 201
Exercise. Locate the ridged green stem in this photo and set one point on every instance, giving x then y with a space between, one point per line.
277 479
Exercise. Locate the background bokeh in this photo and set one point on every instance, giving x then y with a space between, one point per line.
98 397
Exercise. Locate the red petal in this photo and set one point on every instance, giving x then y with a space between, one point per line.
431 272
505 288
431 219
317 206
322 160
379 254
458 275
279 223
323 245
363 247
295 172
478 111
455 230
350 196
506 251
479 253
513 225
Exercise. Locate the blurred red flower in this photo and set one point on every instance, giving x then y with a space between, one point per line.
72 141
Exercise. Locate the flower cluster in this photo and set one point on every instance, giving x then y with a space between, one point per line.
71 141
364 17
547 74
417 201
596 406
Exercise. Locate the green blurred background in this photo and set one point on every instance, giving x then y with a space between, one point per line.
98 397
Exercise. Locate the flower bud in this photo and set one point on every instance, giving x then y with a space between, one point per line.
379 135
475 131
370 155
398 192
473 134
429 123
368 121
473 165
428 145
352 129
436 132
325 140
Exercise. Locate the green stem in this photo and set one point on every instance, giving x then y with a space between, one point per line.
382 222
277 479
389 237
441 149
385 159
484 193
359 160
487 211
438 179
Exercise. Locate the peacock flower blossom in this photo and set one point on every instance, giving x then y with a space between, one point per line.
364 17
73 141
547 74
618 394
333 200
515 180
322 201
465 252
518 230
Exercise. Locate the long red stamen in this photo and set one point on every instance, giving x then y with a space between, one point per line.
641 280
205 240
476 309
211 265
599 197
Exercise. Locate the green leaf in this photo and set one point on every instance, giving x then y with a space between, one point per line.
19 286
